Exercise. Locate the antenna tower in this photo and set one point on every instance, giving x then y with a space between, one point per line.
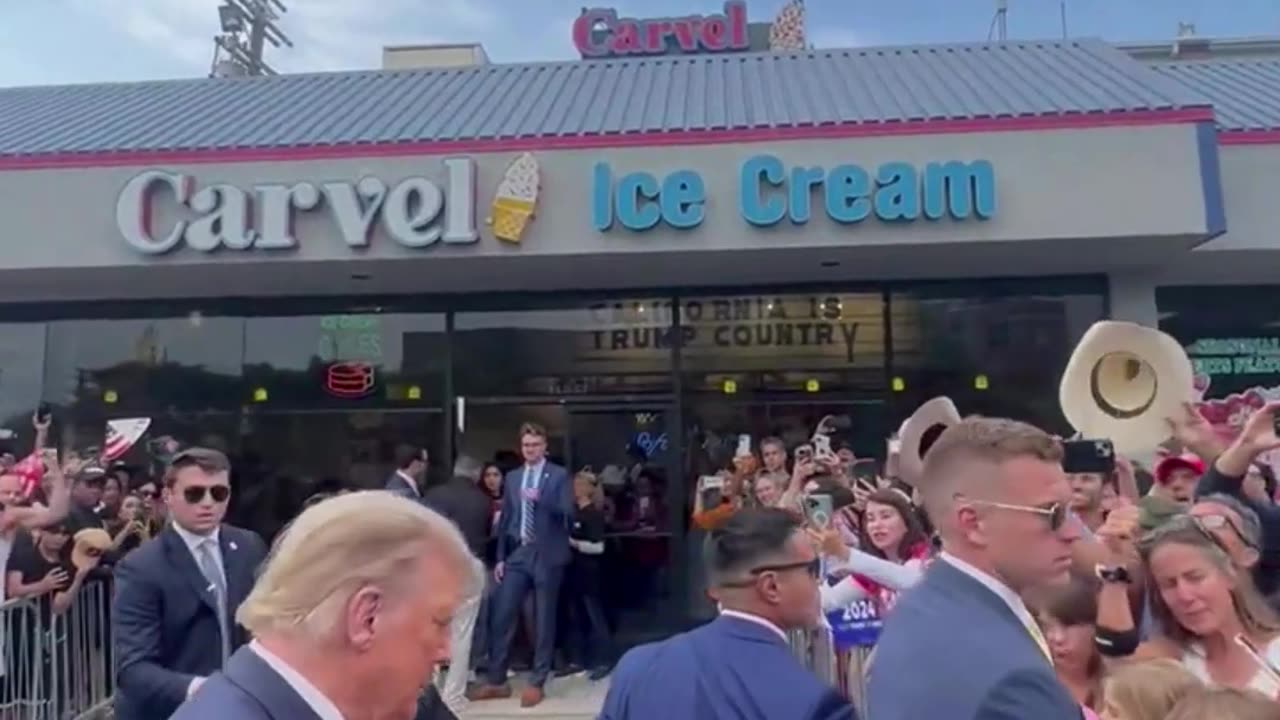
999 22
247 27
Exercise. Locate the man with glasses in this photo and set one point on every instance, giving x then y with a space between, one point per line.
997 494
173 618
764 573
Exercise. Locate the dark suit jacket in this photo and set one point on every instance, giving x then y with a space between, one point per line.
728 669
165 622
400 486
469 507
250 690
953 643
552 513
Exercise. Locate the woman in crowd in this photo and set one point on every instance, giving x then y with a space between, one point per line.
152 506
1067 616
589 643
896 550
891 530
1145 690
112 497
129 528
768 489
1207 610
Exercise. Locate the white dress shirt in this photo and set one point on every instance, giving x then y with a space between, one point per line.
757 620
193 542
322 706
413 484
1005 593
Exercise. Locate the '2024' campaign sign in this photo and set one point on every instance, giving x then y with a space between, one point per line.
857 625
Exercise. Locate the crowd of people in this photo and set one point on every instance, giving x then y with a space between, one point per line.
1007 586
980 559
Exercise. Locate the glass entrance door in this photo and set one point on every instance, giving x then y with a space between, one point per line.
632 452
288 456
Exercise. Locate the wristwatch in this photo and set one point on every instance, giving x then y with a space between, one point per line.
1113 574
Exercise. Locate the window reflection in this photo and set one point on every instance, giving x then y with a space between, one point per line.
998 356
615 347
345 360
1233 341
142 365
21 374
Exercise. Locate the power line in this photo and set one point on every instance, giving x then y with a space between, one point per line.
248 26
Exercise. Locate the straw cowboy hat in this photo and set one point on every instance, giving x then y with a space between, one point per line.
89 544
918 434
1123 382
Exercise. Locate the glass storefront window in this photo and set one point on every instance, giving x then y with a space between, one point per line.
813 342
618 347
101 369
21 376
345 361
999 355
1232 335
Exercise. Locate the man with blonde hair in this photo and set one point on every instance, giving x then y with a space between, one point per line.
350 616
997 494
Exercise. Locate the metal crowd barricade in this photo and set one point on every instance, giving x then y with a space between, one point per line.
57 666
844 670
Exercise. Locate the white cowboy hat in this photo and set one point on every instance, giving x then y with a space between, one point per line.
919 432
1123 382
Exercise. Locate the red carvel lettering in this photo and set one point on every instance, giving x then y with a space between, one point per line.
600 32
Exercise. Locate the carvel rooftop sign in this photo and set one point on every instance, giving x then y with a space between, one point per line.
599 32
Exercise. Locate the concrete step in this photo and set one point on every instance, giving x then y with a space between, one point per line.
569 698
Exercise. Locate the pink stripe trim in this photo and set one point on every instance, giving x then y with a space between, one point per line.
605 140
1249 137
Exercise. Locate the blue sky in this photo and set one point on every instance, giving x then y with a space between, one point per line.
66 41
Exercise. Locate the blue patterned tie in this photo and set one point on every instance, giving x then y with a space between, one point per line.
526 512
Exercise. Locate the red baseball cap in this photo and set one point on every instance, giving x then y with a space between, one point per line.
1169 463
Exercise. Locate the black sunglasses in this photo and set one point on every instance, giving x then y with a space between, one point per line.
812 567
195 493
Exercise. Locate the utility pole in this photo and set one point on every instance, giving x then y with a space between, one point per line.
247 27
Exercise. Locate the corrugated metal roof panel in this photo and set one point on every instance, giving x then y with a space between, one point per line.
1245 93
706 92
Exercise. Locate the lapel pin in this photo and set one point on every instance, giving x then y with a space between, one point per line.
232 545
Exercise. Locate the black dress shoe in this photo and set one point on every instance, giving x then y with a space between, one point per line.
599 673
570 669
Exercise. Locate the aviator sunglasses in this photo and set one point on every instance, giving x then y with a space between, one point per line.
1055 513
196 493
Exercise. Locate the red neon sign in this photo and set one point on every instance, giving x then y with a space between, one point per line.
349 380
599 32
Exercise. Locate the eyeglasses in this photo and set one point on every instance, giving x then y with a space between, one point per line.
812 567
1217 522
1202 526
196 493
1056 513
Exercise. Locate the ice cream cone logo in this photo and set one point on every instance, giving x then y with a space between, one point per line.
516 199
787 30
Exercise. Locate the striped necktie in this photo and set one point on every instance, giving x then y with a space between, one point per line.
526 511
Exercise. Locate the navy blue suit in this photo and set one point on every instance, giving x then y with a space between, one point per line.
539 565
250 690
728 669
165 621
952 648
